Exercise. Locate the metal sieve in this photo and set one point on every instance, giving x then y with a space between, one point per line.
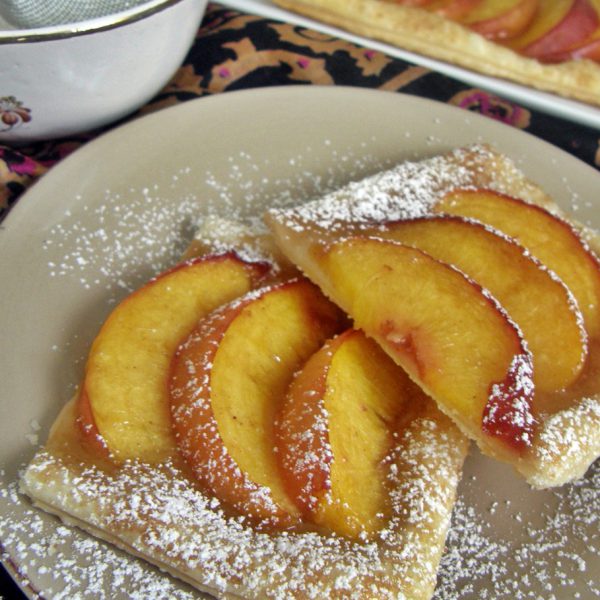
31 14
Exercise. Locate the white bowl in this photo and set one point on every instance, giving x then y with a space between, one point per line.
61 80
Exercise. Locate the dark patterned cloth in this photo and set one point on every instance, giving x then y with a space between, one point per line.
234 51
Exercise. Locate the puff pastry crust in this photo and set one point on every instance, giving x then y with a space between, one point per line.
159 514
432 35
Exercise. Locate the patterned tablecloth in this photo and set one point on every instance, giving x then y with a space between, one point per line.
234 51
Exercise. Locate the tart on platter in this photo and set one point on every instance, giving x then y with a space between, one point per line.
550 45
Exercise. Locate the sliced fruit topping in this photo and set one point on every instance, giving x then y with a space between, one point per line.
227 381
124 398
588 48
301 437
453 9
91 438
550 239
334 434
557 26
453 340
501 19
420 3
536 300
507 414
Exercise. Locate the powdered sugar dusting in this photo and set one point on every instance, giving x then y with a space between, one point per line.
109 244
128 236
527 545
408 190
68 563
497 547
159 513
554 555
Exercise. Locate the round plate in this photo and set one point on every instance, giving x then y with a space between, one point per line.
125 205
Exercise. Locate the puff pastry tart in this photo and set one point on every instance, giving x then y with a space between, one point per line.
234 431
552 45
466 275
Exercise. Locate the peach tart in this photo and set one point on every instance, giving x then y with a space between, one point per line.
551 45
233 429
466 275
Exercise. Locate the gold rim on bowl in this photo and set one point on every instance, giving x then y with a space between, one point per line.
58 32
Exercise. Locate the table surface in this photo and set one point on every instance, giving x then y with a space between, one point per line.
235 51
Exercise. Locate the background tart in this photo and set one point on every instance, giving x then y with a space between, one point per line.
556 54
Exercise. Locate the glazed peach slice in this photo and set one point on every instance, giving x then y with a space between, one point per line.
537 301
418 3
335 434
454 341
588 48
123 404
227 380
453 9
556 26
501 19
550 239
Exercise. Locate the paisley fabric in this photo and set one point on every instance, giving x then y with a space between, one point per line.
234 51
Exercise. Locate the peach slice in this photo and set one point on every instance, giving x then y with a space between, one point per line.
123 398
557 26
86 425
335 432
501 19
550 239
538 302
453 9
227 380
419 3
453 340
589 48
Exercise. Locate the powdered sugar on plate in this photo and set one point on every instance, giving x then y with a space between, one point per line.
124 239
121 239
525 545
494 549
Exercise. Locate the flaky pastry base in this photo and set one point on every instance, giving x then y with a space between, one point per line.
567 440
159 514
426 33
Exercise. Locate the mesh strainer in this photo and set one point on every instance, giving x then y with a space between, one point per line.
30 14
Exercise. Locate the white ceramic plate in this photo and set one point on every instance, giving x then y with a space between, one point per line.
123 206
552 104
